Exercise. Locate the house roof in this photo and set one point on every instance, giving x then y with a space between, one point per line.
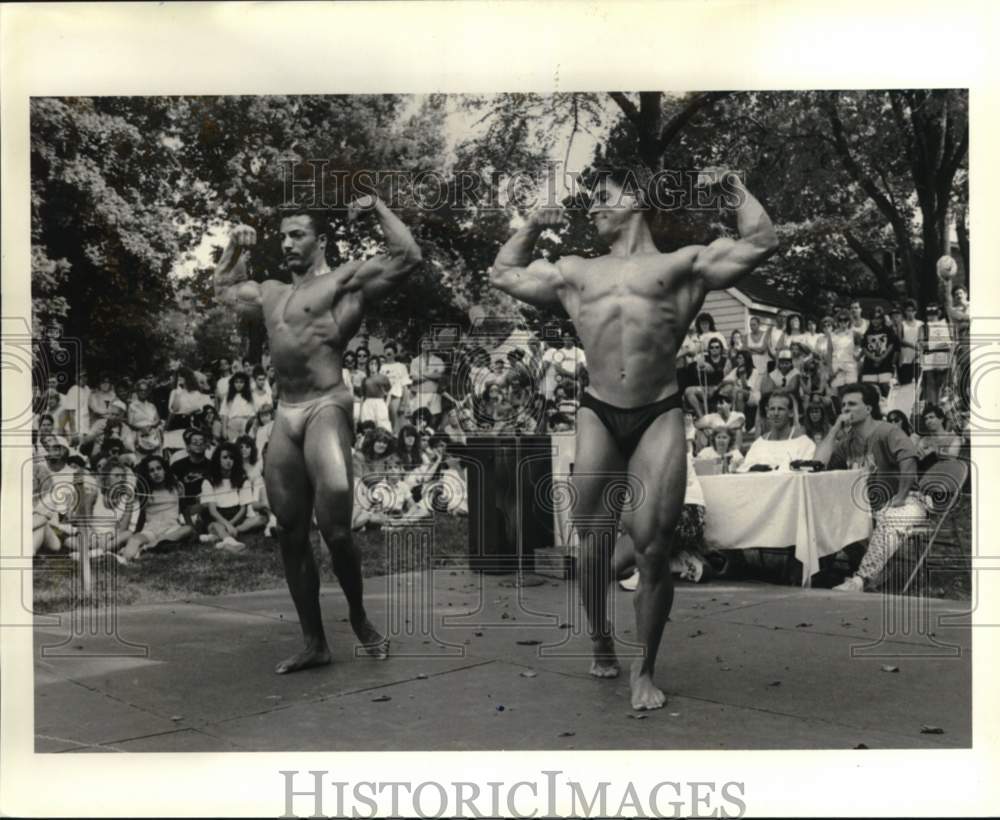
756 289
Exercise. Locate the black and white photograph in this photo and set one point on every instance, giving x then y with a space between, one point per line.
497 419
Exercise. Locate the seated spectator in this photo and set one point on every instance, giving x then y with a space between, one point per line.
225 498
561 423
784 378
722 450
408 447
711 367
898 419
260 390
57 491
112 426
210 424
144 421
108 511
159 495
937 442
192 467
261 426
253 465
814 385
100 399
723 415
45 426
742 385
238 408
185 400
377 450
422 419
779 446
859 440
816 419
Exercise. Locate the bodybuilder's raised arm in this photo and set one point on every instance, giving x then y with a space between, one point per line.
539 282
725 261
233 286
377 276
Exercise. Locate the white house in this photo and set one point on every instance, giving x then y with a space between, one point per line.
732 308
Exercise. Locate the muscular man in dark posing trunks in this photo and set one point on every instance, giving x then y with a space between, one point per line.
631 309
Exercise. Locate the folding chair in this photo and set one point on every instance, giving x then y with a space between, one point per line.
941 486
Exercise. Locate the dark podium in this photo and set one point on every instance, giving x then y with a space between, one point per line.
508 480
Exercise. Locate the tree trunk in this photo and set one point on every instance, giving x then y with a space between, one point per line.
962 229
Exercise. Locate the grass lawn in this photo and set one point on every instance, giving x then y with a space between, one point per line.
192 569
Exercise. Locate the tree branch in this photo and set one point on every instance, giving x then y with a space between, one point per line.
681 119
626 105
869 260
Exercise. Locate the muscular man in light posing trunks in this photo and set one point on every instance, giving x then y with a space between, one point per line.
308 464
631 309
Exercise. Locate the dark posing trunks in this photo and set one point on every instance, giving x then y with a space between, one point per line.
627 424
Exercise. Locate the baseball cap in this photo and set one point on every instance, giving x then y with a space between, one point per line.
118 404
785 354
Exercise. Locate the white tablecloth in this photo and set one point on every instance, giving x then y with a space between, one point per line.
818 513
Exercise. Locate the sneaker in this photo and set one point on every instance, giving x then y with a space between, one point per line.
231 545
208 538
631 583
853 584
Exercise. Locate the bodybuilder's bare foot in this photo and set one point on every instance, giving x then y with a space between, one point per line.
319 656
605 663
372 640
645 694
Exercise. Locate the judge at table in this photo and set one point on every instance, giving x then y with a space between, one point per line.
779 446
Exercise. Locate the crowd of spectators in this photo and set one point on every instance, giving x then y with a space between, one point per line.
180 455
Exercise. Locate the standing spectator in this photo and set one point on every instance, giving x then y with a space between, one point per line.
100 399
736 344
225 497
936 360
880 346
426 371
759 344
260 390
238 407
956 306
375 391
76 407
793 334
222 369
159 495
705 324
812 335
843 343
568 360
858 439
399 380
859 324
